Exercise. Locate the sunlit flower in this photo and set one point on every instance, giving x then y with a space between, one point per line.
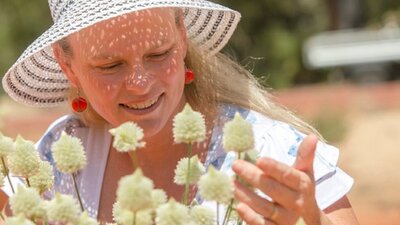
301 221
128 137
18 220
189 126
69 154
172 213
238 135
6 145
125 217
216 186
44 179
63 209
181 171
24 160
25 201
84 219
134 191
202 215
41 211
158 197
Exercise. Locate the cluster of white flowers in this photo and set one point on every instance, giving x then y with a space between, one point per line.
20 158
137 201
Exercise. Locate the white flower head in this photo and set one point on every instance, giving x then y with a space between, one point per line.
128 137
202 215
125 217
189 126
238 135
26 201
24 160
69 154
63 209
84 219
18 220
181 171
158 197
6 145
134 191
300 221
172 213
44 179
216 186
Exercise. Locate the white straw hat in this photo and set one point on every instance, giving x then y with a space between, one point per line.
37 80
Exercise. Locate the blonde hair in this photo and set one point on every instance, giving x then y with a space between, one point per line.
222 80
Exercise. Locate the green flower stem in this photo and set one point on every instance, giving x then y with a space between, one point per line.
228 213
134 218
2 216
187 185
135 162
229 210
217 213
7 173
77 191
27 182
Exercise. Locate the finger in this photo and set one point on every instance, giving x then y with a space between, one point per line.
282 173
305 155
250 216
252 174
261 205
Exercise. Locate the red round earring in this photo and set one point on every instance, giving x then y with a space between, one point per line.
189 76
79 104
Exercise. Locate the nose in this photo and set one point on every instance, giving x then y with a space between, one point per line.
139 81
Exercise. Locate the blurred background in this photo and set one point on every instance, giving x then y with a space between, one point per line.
334 62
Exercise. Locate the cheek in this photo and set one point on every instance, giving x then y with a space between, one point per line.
100 90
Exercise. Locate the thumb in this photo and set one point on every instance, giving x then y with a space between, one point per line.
305 155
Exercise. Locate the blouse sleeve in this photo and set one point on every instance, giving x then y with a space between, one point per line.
281 142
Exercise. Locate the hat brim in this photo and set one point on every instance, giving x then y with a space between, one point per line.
36 78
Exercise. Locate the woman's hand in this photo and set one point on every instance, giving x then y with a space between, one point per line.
291 188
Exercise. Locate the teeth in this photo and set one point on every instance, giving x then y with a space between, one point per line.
142 105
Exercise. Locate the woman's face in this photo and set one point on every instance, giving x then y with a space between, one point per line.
131 68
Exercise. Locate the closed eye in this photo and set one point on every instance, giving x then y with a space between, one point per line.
110 66
159 56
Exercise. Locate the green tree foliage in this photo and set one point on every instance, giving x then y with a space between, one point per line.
21 21
270 36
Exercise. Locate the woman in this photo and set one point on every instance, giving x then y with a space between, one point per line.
142 61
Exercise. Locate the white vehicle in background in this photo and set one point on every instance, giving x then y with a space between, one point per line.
362 55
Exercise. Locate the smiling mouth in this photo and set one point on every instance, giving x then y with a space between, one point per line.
142 105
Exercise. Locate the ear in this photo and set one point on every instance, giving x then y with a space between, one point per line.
65 65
